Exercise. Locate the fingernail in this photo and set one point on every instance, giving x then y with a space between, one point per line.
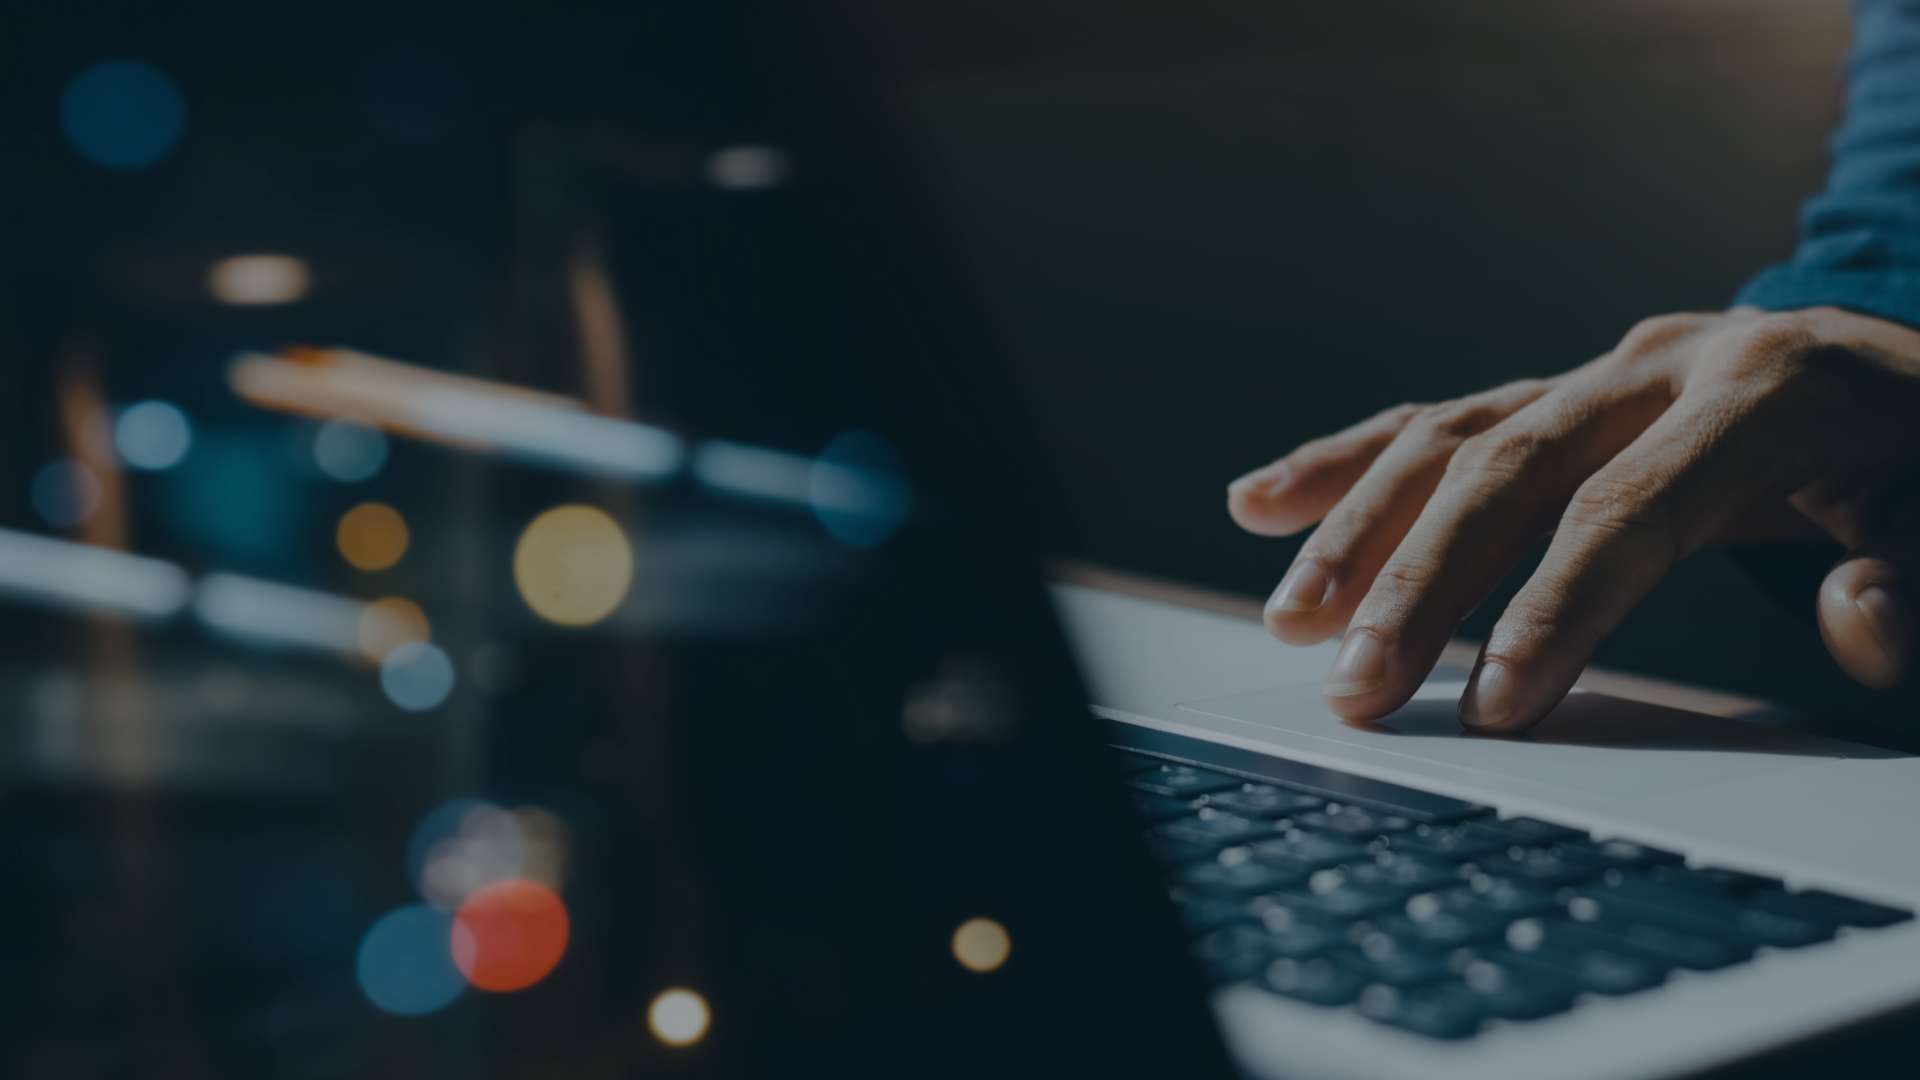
1265 481
1887 622
1491 698
1304 588
1361 667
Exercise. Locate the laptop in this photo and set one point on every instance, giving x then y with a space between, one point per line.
634 659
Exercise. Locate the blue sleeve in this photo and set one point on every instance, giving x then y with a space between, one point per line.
1860 238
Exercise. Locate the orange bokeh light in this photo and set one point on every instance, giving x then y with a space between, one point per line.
509 935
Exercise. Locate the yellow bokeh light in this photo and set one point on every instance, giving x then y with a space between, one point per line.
390 622
679 1017
573 565
372 536
981 944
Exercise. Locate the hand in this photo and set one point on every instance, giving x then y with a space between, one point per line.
1695 430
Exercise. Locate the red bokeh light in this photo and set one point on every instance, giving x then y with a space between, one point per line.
509 935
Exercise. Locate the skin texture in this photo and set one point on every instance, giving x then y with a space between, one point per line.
1696 430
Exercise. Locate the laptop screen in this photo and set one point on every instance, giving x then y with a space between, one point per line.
512 565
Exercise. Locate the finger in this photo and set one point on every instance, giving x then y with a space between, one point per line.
1662 498
1338 562
1294 492
1866 604
1866 619
1499 492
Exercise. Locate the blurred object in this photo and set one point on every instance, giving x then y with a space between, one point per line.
573 565
679 1017
152 435
456 410
249 280
747 168
390 622
604 344
349 452
267 613
84 578
123 114
372 536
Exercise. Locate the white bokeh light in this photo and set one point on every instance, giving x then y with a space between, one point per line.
152 435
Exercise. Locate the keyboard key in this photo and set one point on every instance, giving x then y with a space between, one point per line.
1129 763
1665 944
1595 969
1624 854
1715 880
1156 809
1442 929
1335 898
1526 830
1463 841
1316 979
1704 914
1351 821
1289 933
1384 958
1215 828
1407 873
1331 784
1512 898
1264 801
1541 866
1242 878
1513 992
1313 851
1819 905
1180 781
1232 954
1439 1010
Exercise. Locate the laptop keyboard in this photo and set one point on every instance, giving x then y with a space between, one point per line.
1435 915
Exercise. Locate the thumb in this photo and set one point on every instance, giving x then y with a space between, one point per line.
1866 616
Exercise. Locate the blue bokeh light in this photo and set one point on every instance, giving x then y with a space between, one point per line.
152 435
417 676
65 493
123 114
405 966
858 491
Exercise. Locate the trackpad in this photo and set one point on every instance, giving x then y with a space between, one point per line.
1593 742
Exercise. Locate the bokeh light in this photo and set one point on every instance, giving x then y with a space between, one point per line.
509 935
349 452
390 622
679 1017
981 945
123 114
405 966
484 845
573 565
416 676
152 435
372 536
65 493
858 491
748 168
256 280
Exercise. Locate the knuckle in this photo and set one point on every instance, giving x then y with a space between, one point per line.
1398 415
1649 336
1616 505
1504 452
1770 349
